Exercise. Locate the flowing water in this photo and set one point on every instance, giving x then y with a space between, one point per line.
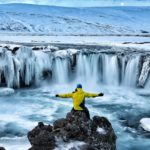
21 111
118 77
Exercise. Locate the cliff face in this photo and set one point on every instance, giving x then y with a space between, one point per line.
96 133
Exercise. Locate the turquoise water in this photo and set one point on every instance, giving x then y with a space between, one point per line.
20 112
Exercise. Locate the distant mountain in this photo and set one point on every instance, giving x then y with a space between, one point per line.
38 19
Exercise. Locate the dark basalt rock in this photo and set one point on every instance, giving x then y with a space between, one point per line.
15 49
2 148
41 137
46 74
77 127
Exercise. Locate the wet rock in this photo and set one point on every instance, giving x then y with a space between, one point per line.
75 127
87 147
15 49
46 74
41 137
143 31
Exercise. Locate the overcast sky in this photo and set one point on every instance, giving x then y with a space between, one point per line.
82 3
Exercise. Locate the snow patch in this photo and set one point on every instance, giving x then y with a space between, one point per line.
6 91
101 130
145 123
74 21
65 53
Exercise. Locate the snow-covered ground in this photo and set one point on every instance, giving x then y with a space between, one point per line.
125 41
36 24
23 18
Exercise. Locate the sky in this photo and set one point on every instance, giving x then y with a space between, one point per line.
82 3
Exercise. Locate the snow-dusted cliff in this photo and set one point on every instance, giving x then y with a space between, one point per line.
106 65
23 18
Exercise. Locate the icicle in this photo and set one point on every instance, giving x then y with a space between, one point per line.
6 66
43 62
17 68
144 73
27 60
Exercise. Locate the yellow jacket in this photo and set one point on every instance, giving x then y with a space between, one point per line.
78 97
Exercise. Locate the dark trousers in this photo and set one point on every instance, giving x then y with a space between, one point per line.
85 110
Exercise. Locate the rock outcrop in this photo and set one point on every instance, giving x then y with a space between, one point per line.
2 148
96 133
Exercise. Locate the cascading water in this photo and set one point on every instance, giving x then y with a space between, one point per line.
83 68
43 62
60 70
131 72
27 67
111 70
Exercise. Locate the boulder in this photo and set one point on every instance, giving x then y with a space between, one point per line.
75 127
41 137
2 148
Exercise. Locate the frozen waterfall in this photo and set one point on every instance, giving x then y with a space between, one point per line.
28 67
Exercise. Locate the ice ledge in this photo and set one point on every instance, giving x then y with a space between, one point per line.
6 91
145 124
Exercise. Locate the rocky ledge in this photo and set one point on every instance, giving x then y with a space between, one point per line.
96 133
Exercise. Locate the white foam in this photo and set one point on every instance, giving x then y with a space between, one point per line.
15 143
68 145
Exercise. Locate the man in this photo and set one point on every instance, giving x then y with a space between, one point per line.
78 97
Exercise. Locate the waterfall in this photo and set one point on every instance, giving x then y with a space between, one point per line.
25 67
43 62
110 70
95 70
28 67
60 70
6 67
131 72
87 68
83 68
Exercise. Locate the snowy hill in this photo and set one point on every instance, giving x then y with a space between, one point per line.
25 18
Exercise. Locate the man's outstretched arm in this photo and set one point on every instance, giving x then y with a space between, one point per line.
93 94
68 95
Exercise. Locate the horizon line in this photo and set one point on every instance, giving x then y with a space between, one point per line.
23 3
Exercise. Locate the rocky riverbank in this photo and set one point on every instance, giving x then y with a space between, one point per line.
96 133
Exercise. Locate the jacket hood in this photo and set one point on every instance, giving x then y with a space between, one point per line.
79 90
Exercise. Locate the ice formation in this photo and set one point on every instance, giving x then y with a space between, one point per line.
6 91
28 67
145 123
